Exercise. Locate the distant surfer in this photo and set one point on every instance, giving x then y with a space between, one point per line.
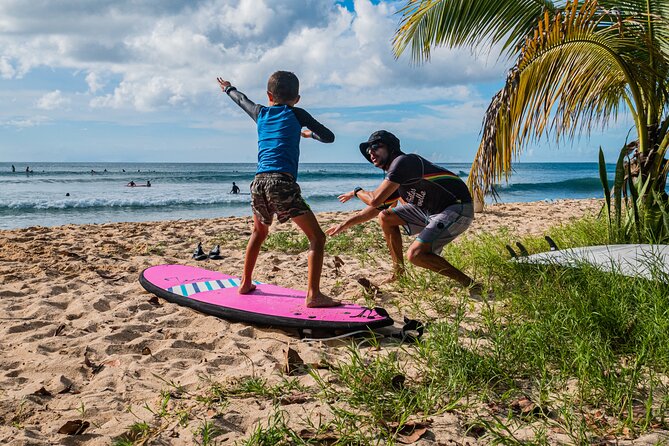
148 183
436 206
274 189
131 184
235 189
13 168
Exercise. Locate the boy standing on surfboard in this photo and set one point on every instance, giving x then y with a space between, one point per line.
274 189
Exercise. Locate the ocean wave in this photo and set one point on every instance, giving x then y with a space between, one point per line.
179 177
126 203
574 186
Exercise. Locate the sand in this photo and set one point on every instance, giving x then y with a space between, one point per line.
81 340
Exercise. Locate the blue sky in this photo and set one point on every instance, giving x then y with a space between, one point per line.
129 80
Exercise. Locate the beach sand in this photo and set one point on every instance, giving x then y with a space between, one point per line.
81 339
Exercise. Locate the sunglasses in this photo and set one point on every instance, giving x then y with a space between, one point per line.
374 147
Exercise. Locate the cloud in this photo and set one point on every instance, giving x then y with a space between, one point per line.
7 70
21 123
169 52
52 100
94 82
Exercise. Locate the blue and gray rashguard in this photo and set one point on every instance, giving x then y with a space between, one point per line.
279 128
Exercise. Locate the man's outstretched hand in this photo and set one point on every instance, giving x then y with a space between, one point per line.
347 196
334 230
223 83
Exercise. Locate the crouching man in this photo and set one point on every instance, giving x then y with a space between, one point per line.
436 206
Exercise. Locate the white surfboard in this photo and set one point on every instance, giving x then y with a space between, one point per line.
647 261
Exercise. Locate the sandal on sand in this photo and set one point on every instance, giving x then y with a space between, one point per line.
215 254
199 254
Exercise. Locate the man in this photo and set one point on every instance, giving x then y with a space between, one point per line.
436 206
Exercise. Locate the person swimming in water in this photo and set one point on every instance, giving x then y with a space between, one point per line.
235 189
131 184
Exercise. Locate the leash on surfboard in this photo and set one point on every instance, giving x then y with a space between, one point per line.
411 332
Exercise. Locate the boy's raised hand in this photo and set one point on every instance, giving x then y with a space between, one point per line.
223 83
307 134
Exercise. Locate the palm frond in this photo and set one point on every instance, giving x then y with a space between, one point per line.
429 23
572 75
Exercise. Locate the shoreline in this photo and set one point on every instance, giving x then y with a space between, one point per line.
491 211
82 339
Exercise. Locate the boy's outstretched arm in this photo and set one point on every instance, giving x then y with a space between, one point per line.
250 107
318 131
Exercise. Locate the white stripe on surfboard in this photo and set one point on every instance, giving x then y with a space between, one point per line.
188 289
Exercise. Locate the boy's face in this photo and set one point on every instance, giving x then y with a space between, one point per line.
378 153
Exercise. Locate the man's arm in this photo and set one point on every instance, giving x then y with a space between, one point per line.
364 215
318 131
377 197
250 107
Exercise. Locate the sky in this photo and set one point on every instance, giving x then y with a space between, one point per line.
135 81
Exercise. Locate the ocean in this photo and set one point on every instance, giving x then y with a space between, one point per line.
98 192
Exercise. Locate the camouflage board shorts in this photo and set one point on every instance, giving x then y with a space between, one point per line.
276 193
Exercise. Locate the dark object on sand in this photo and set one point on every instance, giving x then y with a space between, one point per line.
199 254
215 254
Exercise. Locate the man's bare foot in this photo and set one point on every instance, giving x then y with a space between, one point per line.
390 279
246 289
322 301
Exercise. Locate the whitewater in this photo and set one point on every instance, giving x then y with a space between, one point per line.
98 191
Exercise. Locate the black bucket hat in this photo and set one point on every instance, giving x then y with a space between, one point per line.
390 140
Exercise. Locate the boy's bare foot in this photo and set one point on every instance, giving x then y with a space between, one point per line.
246 289
322 301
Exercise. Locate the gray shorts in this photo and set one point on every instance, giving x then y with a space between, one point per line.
437 229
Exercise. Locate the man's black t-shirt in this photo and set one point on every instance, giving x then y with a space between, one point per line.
425 185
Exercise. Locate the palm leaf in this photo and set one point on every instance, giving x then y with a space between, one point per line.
571 75
429 23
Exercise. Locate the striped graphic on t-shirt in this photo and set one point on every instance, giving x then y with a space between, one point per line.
440 176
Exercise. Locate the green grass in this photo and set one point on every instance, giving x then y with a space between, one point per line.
587 350
575 342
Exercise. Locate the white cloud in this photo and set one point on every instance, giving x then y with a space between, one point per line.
94 82
52 100
168 53
22 123
7 70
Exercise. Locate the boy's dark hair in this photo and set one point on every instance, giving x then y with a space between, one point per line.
284 86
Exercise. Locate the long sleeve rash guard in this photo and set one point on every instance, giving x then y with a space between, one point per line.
279 128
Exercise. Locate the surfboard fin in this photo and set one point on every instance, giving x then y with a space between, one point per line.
551 243
523 250
199 254
511 251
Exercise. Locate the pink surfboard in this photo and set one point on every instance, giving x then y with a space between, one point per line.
215 293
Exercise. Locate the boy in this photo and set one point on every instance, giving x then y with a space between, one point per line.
274 189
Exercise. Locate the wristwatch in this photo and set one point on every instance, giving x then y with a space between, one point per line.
356 190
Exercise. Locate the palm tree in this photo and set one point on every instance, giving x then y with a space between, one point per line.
576 64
